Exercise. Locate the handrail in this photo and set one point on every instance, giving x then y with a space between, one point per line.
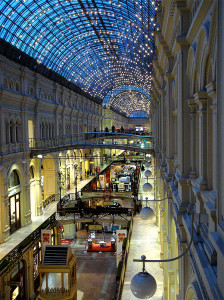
48 200
35 143
121 282
15 254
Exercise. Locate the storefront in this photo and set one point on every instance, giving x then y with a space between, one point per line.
36 263
17 281
14 202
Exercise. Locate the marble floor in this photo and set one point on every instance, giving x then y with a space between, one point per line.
144 240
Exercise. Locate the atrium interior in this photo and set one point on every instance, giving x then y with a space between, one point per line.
111 149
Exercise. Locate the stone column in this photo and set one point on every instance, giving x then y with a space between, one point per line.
163 125
183 112
38 191
201 100
193 108
169 124
211 91
26 195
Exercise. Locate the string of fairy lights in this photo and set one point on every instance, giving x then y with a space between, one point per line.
100 45
131 101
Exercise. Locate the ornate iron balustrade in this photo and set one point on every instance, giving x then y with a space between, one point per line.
90 140
37 143
48 201
83 211
9 260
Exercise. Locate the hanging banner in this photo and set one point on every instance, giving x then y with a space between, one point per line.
102 181
94 185
107 195
107 175
121 234
45 240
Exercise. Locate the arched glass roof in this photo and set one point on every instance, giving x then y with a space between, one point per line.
130 101
139 114
135 100
108 98
99 45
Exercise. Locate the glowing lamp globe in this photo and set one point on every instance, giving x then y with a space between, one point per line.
146 213
148 173
147 164
147 187
143 285
148 158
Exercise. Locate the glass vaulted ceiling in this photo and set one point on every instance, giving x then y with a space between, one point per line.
100 45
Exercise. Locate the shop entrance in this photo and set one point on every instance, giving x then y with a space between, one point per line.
14 212
18 277
14 201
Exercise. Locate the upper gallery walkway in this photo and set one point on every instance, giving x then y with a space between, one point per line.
12 249
108 140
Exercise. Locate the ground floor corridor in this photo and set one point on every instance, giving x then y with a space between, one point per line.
96 272
144 240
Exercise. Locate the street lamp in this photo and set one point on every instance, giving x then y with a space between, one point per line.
146 213
147 164
147 187
143 284
148 173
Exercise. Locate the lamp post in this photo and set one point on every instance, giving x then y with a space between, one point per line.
143 284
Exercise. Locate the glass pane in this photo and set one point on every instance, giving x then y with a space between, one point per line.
66 281
15 293
55 32
12 210
17 211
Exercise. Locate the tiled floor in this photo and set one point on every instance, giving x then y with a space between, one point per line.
96 275
96 272
144 240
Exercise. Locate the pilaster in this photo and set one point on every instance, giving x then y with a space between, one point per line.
193 110
202 101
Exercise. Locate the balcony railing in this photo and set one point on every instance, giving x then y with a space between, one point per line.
107 140
40 143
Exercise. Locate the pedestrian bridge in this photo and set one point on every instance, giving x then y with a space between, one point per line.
89 140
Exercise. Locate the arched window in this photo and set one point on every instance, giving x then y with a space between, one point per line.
7 132
14 179
12 132
11 85
5 83
17 131
52 130
17 86
43 133
49 130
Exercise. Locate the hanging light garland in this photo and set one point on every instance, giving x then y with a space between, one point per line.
99 45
